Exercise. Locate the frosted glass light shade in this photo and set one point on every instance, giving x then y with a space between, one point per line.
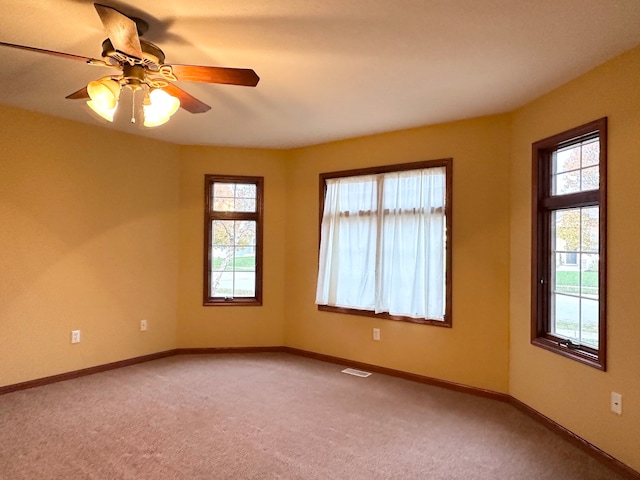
106 113
104 94
161 107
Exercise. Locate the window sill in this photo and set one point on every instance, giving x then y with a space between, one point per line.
250 302
579 355
386 316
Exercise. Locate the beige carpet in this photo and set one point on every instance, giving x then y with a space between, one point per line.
268 416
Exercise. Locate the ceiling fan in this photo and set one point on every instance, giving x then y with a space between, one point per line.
143 69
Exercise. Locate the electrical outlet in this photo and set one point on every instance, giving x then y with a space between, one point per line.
616 403
75 336
143 325
376 334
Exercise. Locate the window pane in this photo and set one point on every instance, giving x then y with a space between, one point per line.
233 258
565 225
222 284
574 274
245 232
223 190
223 194
590 229
589 275
589 322
566 159
566 316
222 259
245 284
234 197
571 258
223 232
223 204
565 183
245 259
590 153
590 178
566 278
246 190
574 267
245 205
575 169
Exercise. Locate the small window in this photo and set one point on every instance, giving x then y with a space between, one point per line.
385 242
569 237
233 240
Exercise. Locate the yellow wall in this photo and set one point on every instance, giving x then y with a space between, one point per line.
572 394
475 351
230 326
88 240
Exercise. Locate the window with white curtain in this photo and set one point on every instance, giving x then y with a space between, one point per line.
385 239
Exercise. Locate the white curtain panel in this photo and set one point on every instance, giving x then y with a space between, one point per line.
383 243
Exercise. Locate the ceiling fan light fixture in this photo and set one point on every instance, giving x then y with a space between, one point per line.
143 68
164 102
159 108
104 92
106 113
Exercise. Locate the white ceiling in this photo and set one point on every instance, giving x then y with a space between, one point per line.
329 69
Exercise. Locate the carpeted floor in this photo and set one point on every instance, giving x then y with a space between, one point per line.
268 416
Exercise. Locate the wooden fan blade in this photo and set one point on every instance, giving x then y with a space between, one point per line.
187 101
229 76
80 94
55 54
121 30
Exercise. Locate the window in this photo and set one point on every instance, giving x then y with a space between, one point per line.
385 242
233 240
569 238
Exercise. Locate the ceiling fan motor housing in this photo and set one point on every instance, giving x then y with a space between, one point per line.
134 75
152 54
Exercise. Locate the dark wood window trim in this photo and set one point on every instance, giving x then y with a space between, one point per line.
448 164
543 204
210 215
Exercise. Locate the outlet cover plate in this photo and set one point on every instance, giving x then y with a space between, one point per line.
616 403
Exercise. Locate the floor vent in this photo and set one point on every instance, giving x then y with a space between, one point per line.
357 373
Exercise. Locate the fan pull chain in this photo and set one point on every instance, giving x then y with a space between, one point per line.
133 108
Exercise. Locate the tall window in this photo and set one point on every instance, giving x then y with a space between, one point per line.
233 240
385 242
569 238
